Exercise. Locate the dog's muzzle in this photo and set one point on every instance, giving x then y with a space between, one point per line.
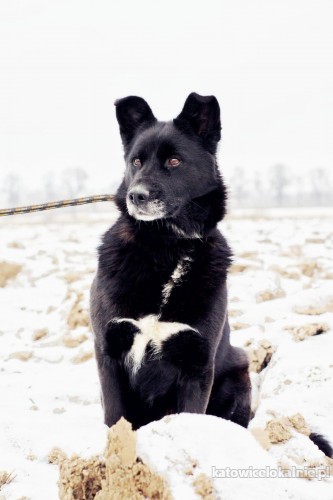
143 205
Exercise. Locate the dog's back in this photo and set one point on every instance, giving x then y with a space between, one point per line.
159 301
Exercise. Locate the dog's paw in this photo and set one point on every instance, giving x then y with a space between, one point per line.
119 337
187 350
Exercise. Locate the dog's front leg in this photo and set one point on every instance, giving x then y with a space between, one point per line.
112 397
193 394
190 352
117 341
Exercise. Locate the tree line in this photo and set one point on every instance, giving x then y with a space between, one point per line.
278 186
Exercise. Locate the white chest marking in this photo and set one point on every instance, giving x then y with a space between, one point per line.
154 331
179 232
180 270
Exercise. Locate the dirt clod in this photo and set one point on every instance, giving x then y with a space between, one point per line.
8 271
204 487
260 355
40 334
278 430
266 295
120 474
21 355
73 341
6 477
309 330
78 315
298 423
82 356
262 437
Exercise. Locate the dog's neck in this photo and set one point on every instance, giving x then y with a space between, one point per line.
196 221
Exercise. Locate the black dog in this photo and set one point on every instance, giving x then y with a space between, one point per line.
159 299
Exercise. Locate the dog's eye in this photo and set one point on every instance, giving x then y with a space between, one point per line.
173 162
137 162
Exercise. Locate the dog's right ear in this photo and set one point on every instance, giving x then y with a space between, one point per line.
201 115
132 112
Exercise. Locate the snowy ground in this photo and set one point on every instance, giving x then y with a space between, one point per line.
281 311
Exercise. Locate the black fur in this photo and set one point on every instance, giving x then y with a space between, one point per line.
196 369
322 444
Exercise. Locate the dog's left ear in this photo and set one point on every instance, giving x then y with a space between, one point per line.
201 115
132 112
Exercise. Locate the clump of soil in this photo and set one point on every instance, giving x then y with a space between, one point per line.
21 355
299 424
290 272
238 325
260 355
309 330
262 437
266 295
15 244
82 356
71 277
56 456
8 271
6 478
120 474
234 313
73 341
315 308
80 479
204 487
279 429
40 334
309 267
78 315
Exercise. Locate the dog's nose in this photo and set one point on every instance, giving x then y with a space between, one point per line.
138 197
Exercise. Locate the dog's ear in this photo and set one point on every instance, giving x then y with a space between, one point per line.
201 115
131 113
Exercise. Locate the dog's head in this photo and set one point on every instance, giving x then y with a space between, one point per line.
171 170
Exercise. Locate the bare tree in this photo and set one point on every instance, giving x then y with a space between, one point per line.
238 185
320 184
74 180
12 189
279 182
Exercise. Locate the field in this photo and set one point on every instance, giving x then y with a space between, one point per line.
281 311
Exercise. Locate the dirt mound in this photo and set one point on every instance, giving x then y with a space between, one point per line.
279 429
204 487
259 354
6 477
8 271
309 330
78 315
312 302
265 295
120 474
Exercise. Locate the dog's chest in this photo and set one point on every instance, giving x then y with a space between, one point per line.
149 332
143 279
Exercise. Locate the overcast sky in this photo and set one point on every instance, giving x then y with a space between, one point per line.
63 63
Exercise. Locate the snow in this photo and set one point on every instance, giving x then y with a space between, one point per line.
50 391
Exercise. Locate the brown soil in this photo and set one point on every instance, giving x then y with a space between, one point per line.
265 295
279 430
40 334
204 487
8 271
302 332
260 355
120 474
6 478
78 315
